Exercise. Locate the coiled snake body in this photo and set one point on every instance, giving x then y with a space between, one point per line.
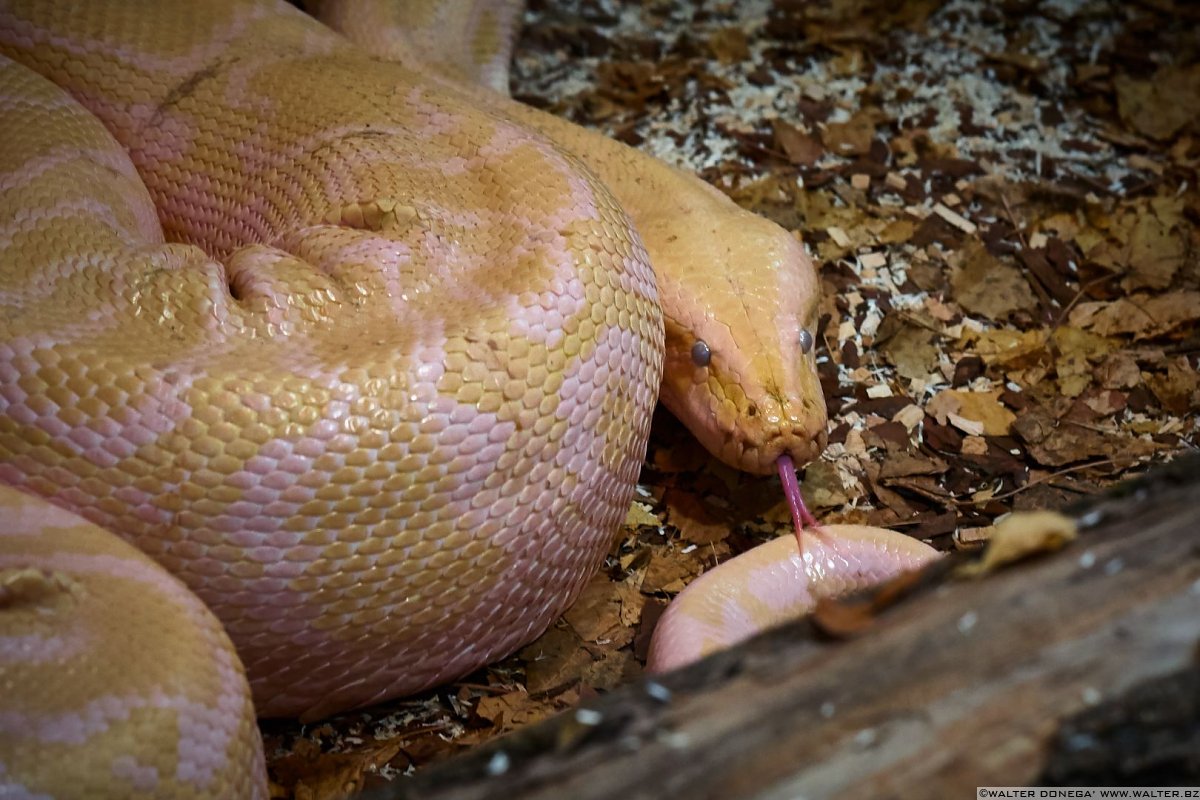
362 355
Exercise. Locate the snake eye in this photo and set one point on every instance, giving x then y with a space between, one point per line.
701 355
805 340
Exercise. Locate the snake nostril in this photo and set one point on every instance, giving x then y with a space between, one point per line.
752 410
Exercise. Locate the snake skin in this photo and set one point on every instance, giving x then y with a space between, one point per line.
135 712
774 583
362 356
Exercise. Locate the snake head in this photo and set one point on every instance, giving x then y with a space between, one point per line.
740 368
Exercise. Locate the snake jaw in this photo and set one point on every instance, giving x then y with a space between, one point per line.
754 443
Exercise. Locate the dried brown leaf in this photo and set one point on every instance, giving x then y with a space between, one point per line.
1178 389
596 615
913 350
800 148
670 572
639 515
1076 351
1006 347
822 486
1119 371
511 710
554 659
1142 315
852 137
983 408
1056 444
313 775
1022 535
615 668
729 45
1162 105
903 465
989 287
697 521
1147 241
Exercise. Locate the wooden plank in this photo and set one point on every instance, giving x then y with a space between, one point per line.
968 683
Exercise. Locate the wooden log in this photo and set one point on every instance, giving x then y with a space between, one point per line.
1079 667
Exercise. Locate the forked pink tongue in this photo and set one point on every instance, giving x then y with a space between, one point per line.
801 517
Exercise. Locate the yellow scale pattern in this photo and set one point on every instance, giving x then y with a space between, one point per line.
383 448
359 352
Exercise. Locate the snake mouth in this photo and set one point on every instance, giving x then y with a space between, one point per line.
762 457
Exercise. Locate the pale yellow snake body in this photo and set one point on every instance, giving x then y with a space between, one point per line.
363 356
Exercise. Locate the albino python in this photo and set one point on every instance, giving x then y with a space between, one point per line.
354 347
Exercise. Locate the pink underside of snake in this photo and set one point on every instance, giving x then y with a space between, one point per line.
774 583
365 358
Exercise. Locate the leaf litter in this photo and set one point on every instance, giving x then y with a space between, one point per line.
1002 202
